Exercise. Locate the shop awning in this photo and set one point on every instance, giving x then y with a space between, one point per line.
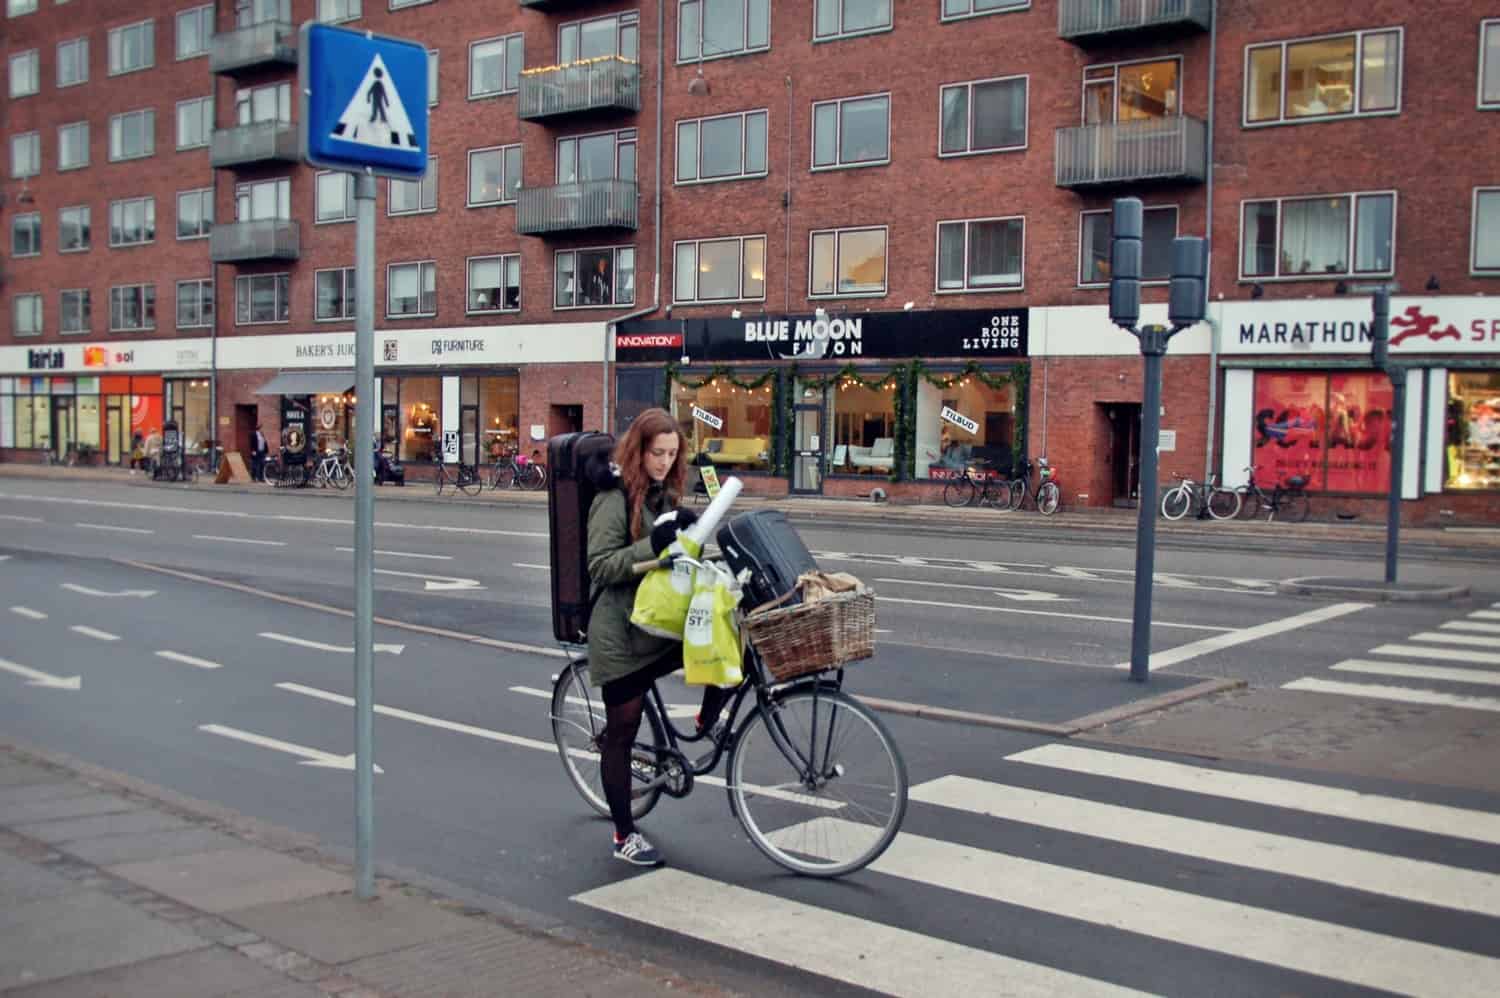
308 383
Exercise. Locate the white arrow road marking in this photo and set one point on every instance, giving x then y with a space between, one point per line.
73 587
1019 595
1078 573
238 540
433 582
310 756
113 530
90 632
26 611
21 519
403 554
320 646
39 678
200 663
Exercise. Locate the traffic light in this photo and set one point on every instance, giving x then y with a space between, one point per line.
1187 300
1380 328
1125 263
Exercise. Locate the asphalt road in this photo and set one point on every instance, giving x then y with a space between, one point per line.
1051 866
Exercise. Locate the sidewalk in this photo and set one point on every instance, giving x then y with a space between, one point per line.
112 888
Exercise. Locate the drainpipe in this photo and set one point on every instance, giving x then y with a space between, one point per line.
1208 238
613 324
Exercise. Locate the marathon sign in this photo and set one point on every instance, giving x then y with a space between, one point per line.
1427 325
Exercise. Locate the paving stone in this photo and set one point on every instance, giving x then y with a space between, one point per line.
77 933
114 850
24 881
26 812
340 928
15 773
64 830
212 972
56 788
230 879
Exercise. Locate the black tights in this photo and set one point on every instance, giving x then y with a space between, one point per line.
622 723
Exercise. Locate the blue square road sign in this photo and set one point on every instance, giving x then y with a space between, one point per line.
363 100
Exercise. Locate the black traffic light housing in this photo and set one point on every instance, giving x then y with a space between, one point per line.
1125 263
1380 328
1187 299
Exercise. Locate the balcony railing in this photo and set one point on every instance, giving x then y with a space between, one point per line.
610 83
594 204
1154 149
262 142
256 45
267 239
1086 19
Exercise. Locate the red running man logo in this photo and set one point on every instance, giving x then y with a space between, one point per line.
1413 323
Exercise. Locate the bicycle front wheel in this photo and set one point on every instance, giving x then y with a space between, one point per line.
817 782
1223 504
959 492
469 484
502 477
1017 490
1175 503
439 480
1290 505
1048 498
343 478
534 477
578 729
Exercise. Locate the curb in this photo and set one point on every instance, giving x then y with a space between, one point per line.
1310 586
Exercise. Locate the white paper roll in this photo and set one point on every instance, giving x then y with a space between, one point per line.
704 527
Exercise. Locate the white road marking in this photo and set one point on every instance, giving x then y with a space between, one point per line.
1182 653
1019 595
1445 654
1482 677
403 554
522 564
320 646
86 591
28 612
1464 625
91 632
433 582
674 710
1043 613
238 540
1308 945
113 530
35 677
854 950
1415 880
1486 614
199 663
1251 587
1271 791
310 756
1473 640
21 519
1401 694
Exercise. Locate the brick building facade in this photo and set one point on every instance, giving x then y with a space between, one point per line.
927 178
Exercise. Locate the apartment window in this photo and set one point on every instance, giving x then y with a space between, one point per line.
335 197
984 116
76 310
494 175
195 28
1333 76
398 4
73 145
132 307
26 234
982 254
836 18
720 270
708 29
411 289
24 67
495 283
72 62
132 47
248 12
855 131
495 66
605 156
432 77
25 155
267 200
195 122
74 234
27 314
1489 64
1158 229
132 222
412 197
1328 236
591 278
971 8
195 213
132 135
334 11
262 298
335 294
602 36
723 148
15 8
1485 258
269 103
848 262
195 304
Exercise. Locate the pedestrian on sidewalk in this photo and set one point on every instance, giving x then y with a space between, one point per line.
260 447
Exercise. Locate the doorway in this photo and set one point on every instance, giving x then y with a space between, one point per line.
62 425
245 418
565 419
807 450
1123 450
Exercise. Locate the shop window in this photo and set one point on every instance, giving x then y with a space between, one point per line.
1158 229
985 254
420 401
726 147
720 270
411 289
186 401
132 135
1485 257
495 283
195 213
1318 237
34 422
984 116
74 229
87 430
73 145
591 278
848 262
492 432
26 234
855 131
72 62
1334 76
495 65
1332 429
965 424
1473 430
859 427
712 29
132 47
839 18
335 293
742 440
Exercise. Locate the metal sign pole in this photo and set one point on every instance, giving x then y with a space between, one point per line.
364 531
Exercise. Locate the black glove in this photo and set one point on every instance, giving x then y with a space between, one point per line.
686 518
664 533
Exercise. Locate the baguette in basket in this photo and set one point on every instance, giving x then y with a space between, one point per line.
833 625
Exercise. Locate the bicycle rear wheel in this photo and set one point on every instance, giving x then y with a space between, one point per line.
1290 505
959 492
440 479
1017 489
1048 498
342 479
469 483
1175 503
533 477
577 729
502 477
817 782
1223 504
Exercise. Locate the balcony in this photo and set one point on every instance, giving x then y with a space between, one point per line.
267 239
1156 149
266 44
593 204
262 142
1085 21
606 84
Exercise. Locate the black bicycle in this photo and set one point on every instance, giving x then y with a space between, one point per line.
814 777
1288 500
975 486
1048 495
465 478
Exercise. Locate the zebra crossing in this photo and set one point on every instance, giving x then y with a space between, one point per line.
1093 872
1437 666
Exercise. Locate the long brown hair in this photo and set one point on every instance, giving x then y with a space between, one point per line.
630 454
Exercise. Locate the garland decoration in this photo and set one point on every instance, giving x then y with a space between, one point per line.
581 62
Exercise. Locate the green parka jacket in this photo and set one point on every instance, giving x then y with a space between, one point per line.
616 646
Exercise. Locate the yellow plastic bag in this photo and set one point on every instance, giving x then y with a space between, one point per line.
711 637
661 601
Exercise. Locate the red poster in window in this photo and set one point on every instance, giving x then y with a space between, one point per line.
1359 432
1287 438
145 415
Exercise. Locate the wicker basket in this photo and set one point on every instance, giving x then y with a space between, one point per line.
811 637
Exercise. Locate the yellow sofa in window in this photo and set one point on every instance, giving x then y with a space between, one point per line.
737 450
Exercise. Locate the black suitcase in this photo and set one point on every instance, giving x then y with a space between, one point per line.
765 543
570 492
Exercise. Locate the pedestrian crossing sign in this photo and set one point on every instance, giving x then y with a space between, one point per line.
364 101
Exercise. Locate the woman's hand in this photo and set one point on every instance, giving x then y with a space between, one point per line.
664 532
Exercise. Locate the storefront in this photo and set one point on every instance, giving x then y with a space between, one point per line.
836 404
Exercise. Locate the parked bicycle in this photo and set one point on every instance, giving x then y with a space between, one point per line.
517 471
975 486
464 478
1288 500
1208 498
334 469
283 475
1048 495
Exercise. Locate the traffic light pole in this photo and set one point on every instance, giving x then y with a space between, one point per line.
1153 348
1380 353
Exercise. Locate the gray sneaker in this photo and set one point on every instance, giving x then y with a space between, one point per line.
636 851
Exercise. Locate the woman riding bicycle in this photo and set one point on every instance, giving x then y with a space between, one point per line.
634 518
